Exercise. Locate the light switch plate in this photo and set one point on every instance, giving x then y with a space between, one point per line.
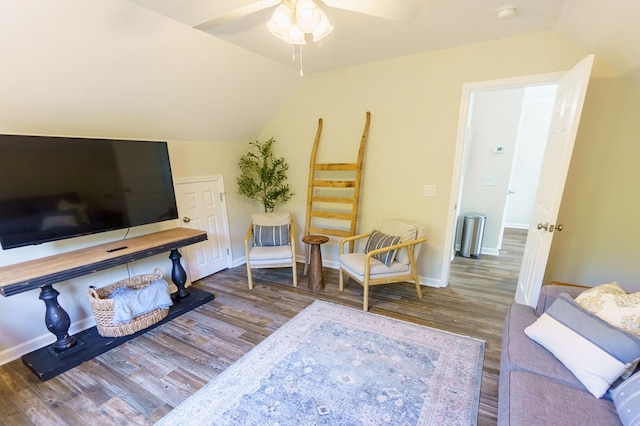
489 180
429 190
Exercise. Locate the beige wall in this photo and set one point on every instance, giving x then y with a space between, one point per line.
414 102
195 159
600 209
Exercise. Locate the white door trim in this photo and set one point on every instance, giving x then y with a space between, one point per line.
467 89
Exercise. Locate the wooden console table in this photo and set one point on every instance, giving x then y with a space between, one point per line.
43 273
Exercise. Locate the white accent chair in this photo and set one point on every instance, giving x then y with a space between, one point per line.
270 243
368 268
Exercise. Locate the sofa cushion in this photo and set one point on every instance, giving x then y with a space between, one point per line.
595 351
530 399
519 352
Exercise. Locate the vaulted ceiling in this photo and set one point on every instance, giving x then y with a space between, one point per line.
609 29
138 68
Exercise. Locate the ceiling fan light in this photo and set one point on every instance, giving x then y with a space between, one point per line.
323 29
296 36
307 15
280 22
282 15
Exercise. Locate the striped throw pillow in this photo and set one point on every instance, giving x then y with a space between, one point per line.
378 240
269 236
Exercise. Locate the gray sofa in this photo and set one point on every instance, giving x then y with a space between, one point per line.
537 389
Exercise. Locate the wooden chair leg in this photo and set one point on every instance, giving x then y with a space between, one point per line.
365 302
295 273
341 281
417 281
249 278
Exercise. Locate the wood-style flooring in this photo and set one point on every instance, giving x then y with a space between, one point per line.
142 380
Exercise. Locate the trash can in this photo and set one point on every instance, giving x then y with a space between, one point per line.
472 234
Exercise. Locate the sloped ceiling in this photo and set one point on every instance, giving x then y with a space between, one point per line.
609 29
137 68
113 69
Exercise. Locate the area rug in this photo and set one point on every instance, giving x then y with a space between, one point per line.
334 365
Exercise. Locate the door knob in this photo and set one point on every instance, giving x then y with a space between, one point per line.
545 226
559 227
186 219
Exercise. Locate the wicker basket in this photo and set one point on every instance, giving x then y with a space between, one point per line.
103 307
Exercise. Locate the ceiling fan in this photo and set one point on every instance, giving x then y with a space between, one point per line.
307 15
297 21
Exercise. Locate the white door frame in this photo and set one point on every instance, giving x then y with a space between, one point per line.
456 181
219 180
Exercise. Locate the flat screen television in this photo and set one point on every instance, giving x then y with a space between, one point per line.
52 188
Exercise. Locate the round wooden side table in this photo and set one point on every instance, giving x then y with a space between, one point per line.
316 280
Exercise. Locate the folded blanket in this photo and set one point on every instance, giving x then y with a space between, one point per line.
129 303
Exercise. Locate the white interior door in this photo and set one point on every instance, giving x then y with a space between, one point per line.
567 110
201 206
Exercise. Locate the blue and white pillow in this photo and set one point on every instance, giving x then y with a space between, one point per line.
269 236
596 352
626 398
378 240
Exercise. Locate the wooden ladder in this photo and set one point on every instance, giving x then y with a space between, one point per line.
332 201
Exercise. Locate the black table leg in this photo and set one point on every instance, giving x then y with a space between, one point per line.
178 275
56 319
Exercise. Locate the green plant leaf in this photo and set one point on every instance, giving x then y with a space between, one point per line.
262 175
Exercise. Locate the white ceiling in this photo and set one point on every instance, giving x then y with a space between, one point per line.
610 32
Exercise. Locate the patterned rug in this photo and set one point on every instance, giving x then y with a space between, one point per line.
333 365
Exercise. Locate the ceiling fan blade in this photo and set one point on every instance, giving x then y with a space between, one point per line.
236 13
396 10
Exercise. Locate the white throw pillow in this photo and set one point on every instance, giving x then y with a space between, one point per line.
596 352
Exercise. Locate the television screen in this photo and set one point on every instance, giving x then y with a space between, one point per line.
53 188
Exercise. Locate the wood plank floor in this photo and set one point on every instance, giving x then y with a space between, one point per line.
142 380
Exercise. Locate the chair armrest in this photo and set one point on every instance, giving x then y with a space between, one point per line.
351 238
567 284
292 238
396 246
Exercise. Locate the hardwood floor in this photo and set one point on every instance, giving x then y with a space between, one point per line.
142 380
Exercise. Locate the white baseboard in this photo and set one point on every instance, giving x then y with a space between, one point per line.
517 225
490 251
39 342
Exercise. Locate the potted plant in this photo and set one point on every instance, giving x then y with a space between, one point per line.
262 175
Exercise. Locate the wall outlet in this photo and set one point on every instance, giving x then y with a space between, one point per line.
429 190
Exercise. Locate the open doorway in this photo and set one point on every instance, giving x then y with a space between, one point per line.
460 161
571 93
507 131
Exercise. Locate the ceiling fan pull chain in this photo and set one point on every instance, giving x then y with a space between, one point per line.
300 54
